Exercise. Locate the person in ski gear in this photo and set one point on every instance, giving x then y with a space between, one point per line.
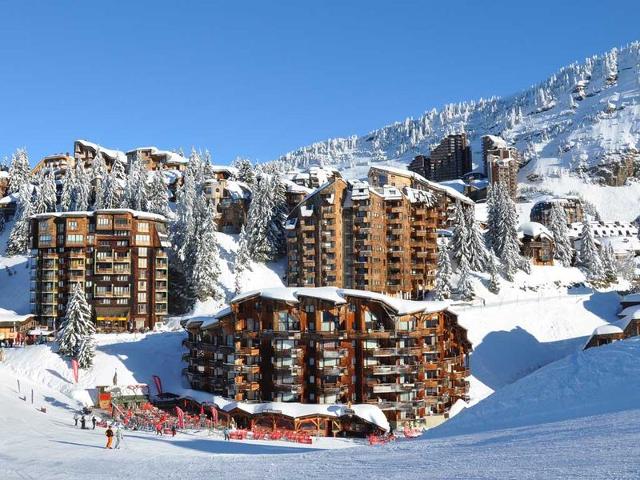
119 436
94 420
83 423
226 433
159 429
109 434
76 418
173 430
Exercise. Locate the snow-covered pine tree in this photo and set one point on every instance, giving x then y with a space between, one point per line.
494 279
77 323
86 352
464 288
99 176
183 229
277 234
114 185
443 274
18 243
460 242
205 278
19 172
478 252
241 261
82 190
506 242
563 251
246 171
588 255
493 215
135 192
46 193
609 264
258 226
158 195
67 199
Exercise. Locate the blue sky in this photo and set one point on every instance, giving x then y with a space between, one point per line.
260 78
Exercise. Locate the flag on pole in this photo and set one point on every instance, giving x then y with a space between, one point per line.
180 414
158 382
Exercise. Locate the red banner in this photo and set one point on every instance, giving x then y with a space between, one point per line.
158 382
74 367
214 415
180 415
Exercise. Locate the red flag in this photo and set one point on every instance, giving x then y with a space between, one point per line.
74 366
180 414
158 382
214 414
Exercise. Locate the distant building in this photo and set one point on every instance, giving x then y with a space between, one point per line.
536 243
327 346
119 257
448 161
572 206
621 236
229 198
155 159
501 163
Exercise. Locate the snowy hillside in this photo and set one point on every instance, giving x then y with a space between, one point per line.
585 116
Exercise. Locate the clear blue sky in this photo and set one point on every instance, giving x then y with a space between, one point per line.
260 78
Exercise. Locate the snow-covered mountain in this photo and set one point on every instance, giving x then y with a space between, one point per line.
587 115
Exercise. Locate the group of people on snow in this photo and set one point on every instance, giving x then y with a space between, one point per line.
83 421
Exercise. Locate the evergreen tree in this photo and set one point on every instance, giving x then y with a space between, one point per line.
135 192
100 181
464 286
478 253
460 241
563 251
206 271
588 256
77 323
67 199
19 238
505 239
114 185
241 261
46 193
494 279
609 264
277 234
265 220
158 195
246 171
2 223
443 274
493 216
82 189
19 172
86 352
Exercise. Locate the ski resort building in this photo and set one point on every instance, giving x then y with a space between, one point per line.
118 255
379 235
448 161
229 198
572 206
621 236
328 345
154 159
86 152
536 243
501 163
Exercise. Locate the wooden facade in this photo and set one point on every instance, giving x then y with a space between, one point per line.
379 236
572 207
325 345
118 255
450 160
230 200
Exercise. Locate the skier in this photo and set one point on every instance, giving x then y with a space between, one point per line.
83 423
109 434
94 420
226 433
119 436
76 418
159 429
173 430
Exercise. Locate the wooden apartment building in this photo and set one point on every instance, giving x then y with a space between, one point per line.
501 163
119 256
379 235
572 206
229 198
327 345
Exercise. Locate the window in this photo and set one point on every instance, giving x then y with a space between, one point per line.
142 308
45 238
122 278
122 243
143 239
142 285
142 251
103 221
43 225
142 297
75 238
142 263
143 226
72 225
122 301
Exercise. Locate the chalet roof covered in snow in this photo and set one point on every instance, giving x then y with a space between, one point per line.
632 310
338 296
498 142
87 213
367 412
13 198
107 152
534 230
453 193
223 169
293 187
4 174
171 157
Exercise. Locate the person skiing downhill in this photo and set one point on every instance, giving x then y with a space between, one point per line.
94 420
109 434
119 437
76 418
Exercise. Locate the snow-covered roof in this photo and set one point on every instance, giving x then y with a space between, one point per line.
135 213
633 310
171 157
433 185
419 196
367 412
293 187
13 198
631 297
338 296
4 174
535 230
498 142
237 189
9 316
224 169
107 152
607 329
458 185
